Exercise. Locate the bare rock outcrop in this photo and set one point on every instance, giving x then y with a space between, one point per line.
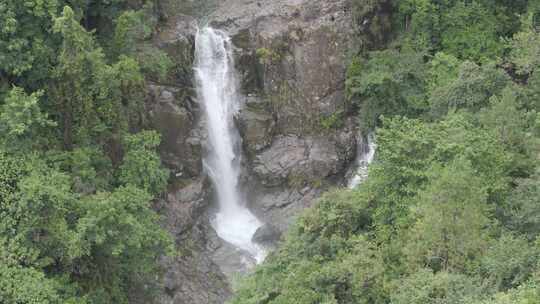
298 134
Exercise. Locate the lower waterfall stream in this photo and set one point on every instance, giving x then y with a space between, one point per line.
217 89
366 153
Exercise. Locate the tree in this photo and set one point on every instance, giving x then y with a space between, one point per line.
509 262
468 30
471 31
512 125
26 49
352 276
141 166
443 69
28 286
121 241
523 212
470 91
427 287
387 83
524 46
21 119
35 211
132 35
452 220
90 94
396 177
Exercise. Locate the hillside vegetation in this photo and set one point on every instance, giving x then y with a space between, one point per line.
450 212
77 172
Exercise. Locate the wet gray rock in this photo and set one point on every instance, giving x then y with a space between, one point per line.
292 53
256 129
281 206
177 39
285 157
192 277
232 261
294 161
176 122
266 235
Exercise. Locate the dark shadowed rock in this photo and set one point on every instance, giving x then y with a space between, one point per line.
266 235
192 277
256 128
181 146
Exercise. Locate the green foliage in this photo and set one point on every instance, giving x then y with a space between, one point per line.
428 216
154 62
141 166
509 262
427 287
21 118
105 243
76 221
443 69
451 220
523 212
89 168
471 31
319 263
120 242
449 214
528 293
28 286
513 126
470 90
132 35
525 51
389 82
25 48
397 177
267 56
450 211
131 26
90 94
337 213
332 121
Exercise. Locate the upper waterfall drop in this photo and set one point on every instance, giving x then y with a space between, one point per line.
217 89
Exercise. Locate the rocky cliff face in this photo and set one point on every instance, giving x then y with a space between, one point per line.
298 136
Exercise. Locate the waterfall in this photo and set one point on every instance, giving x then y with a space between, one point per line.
366 153
217 89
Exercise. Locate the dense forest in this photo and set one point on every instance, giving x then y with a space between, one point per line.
450 212
78 172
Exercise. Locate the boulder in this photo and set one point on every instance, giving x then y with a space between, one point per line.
266 235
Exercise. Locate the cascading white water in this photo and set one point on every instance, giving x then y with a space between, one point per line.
366 153
217 88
